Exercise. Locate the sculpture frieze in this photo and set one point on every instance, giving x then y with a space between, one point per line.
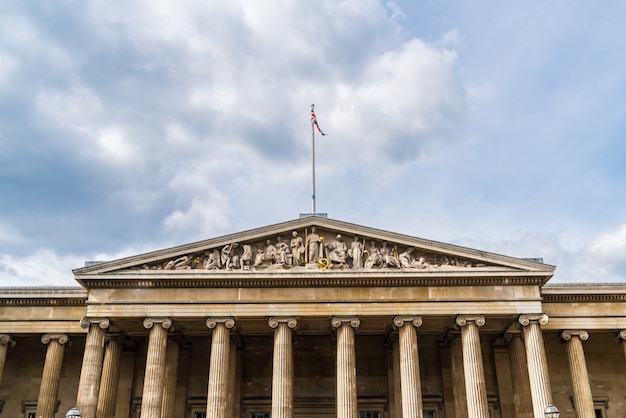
309 249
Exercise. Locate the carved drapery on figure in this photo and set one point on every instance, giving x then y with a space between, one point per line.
309 249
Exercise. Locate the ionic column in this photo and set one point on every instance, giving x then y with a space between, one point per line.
282 374
89 383
583 400
346 366
458 375
49 389
168 407
217 397
5 342
475 386
107 396
152 394
409 365
621 338
540 389
519 375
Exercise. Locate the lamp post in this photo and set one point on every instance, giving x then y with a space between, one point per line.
73 413
551 411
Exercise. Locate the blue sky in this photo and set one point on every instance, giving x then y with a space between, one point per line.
127 127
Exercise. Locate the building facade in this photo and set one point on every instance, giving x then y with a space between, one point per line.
314 318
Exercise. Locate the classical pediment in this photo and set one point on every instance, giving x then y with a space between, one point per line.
316 245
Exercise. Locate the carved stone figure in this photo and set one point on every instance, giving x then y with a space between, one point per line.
270 251
229 258
245 261
181 263
338 251
259 258
389 256
374 258
297 249
312 242
282 250
211 262
356 253
408 261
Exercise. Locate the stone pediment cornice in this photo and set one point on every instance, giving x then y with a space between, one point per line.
584 293
42 297
308 247
191 279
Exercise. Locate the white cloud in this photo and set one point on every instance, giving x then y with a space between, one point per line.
43 267
202 218
9 234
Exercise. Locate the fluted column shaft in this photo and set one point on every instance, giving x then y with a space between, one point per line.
519 374
475 386
107 396
168 407
540 388
583 400
89 383
409 365
458 376
282 375
621 338
5 342
346 367
217 397
49 389
152 395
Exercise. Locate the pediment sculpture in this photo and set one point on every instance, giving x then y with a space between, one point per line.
310 249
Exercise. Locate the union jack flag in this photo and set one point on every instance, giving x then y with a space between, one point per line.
314 120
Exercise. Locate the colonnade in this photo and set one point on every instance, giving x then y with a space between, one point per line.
97 387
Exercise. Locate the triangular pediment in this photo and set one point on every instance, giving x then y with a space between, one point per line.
316 245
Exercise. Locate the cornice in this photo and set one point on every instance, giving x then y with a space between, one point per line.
235 280
46 296
583 298
584 292
43 302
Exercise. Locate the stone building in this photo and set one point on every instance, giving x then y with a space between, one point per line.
314 318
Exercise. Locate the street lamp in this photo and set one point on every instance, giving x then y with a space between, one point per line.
551 411
73 413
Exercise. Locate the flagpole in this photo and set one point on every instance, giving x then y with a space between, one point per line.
313 162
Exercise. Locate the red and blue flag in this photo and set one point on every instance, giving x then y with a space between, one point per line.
314 121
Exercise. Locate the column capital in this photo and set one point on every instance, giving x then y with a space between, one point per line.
527 319
400 320
60 338
621 336
274 321
450 335
118 338
5 339
508 336
463 320
566 335
338 321
228 322
87 321
165 322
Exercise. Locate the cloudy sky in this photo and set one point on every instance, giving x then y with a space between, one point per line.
127 127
